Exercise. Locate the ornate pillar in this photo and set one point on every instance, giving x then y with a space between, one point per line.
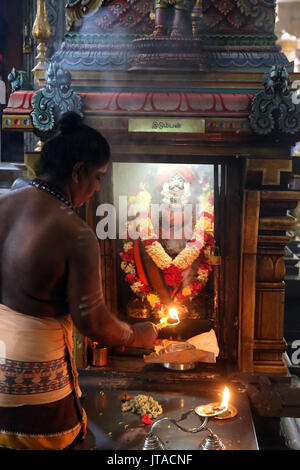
274 223
265 234
274 116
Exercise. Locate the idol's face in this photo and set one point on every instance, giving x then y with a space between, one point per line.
175 192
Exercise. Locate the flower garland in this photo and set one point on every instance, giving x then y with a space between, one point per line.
173 269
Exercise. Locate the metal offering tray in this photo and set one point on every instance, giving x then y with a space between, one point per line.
177 347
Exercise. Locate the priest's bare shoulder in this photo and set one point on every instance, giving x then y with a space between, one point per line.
39 237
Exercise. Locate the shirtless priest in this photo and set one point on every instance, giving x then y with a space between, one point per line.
49 280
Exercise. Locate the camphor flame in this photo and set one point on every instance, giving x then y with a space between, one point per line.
215 409
172 314
225 400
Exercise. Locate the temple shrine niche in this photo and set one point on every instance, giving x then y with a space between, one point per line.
199 104
165 255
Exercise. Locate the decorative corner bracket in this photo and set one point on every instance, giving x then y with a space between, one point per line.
18 80
56 98
276 108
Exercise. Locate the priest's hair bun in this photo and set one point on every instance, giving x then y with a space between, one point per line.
70 123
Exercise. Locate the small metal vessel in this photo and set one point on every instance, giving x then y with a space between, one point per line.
99 356
177 347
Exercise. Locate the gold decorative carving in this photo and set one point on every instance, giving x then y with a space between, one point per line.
41 32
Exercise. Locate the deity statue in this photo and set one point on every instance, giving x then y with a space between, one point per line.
180 22
167 263
76 10
175 16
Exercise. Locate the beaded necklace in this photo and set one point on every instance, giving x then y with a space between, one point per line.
45 186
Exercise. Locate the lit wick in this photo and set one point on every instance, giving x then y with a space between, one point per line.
225 399
171 320
214 409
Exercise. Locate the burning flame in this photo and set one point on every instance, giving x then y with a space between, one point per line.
225 400
172 314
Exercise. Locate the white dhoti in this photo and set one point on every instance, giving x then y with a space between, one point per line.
36 359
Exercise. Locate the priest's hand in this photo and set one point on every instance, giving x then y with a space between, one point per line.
145 335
